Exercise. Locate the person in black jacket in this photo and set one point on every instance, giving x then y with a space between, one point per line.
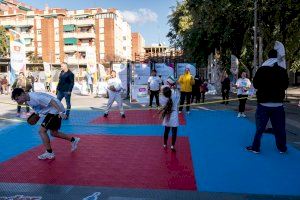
225 88
271 81
65 86
196 89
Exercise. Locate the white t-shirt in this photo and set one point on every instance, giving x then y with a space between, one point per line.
154 82
116 82
173 121
245 84
40 103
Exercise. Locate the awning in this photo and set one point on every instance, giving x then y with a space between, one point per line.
24 8
8 26
69 28
70 41
28 40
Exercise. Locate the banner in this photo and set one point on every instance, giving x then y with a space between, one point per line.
181 68
47 68
17 54
164 71
141 73
139 94
121 70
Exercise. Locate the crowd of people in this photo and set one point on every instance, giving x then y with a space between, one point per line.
270 82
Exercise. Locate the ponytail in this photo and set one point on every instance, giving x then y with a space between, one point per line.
167 109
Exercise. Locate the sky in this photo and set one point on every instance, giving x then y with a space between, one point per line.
149 17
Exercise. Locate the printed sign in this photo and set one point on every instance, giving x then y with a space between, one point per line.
139 94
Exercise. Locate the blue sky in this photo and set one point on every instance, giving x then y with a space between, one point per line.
149 17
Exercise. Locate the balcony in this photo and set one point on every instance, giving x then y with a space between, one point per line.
73 60
79 22
29 49
27 35
21 23
25 23
86 35
79 35
70 35
73 48
85 22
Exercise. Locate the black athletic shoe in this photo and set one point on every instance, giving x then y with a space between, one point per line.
123 116
252 150
105 115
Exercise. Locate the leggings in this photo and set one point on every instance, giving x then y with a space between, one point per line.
166 134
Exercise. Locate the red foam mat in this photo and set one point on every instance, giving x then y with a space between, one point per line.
134 117
108 161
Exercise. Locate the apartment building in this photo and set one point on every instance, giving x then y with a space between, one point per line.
138 44
6 5
58 35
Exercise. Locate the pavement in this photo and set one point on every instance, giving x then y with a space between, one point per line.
120 163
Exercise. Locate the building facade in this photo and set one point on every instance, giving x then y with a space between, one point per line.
58 35
138 44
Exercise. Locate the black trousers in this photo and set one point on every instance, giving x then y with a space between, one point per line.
183 96
196 95
166 135
156 95
225 95
242 104
277 117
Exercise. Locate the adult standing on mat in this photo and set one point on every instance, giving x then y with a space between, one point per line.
65 86
271 81
225 82
154 84
53 109
114 88
243 85
186 82
196 89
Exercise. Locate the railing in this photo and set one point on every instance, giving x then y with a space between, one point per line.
86 34
29 48
79 35
71 48
72 60
27 35
79 22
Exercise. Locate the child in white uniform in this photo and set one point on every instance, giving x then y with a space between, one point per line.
114 88
170 114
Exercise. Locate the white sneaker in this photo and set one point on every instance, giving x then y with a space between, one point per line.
180 112
75 143
188 112
46 155
172 148
239 115
243 115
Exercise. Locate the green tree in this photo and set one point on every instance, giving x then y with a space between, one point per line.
3 42
33 58
200 27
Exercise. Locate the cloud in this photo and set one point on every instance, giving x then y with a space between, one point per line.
141 16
